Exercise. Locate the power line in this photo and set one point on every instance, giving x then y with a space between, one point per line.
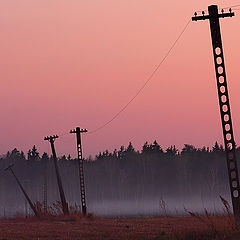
145 83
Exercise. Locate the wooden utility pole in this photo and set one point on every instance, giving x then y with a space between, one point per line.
26 202
224 104
65 209
23 190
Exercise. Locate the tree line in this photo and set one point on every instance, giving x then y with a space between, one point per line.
119 175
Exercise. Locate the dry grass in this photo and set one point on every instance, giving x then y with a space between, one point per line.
93 228
54 226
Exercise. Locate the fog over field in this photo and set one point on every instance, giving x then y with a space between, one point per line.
126 182
154 207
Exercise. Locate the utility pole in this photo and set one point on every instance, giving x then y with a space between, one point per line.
25 202
78 132
24 192
224 104
45 187
65 209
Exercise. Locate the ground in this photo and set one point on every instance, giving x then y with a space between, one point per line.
95 228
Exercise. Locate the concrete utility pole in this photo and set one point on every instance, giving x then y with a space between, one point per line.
224 104
45 188
65 209
78 132
24 192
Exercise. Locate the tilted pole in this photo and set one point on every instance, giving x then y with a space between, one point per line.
45 188
65 209
224 104
24 192
26 202
78 132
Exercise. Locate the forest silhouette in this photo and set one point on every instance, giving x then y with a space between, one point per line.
120 175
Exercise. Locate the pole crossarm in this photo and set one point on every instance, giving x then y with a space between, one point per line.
10 166
51 138
221 15
81 131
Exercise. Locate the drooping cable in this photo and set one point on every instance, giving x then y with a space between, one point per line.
145 83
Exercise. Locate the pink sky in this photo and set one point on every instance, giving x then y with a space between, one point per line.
76 63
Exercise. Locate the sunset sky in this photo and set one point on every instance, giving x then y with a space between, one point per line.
68 63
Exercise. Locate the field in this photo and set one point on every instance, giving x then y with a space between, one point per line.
95 228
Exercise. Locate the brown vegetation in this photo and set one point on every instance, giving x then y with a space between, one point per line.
76 227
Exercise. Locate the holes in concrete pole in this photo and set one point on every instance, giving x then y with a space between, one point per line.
221 79
235 193
234 184
219 60
218 51
223 98
232 165
226 117
220 70
227 127
222 89
233 174
225 108
230 155
228 136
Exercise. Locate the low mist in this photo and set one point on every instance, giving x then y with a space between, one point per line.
125 183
